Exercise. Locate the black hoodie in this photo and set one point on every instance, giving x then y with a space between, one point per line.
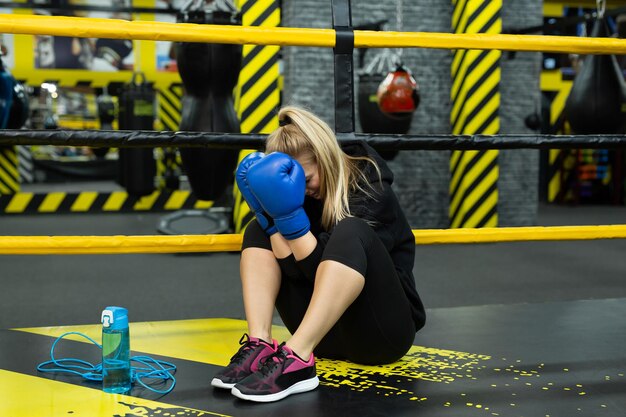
383 212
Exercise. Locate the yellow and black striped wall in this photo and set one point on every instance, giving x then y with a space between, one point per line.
9 175
98 202
475 97
556 88
258 91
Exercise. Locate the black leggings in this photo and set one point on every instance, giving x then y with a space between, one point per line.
377 328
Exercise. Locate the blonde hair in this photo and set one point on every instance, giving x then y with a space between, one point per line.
304 135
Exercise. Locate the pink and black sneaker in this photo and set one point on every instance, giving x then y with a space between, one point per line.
245 362
281 374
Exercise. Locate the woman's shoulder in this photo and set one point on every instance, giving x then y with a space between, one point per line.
358 148
362 149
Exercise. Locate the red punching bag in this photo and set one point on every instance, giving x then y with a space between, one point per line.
398 93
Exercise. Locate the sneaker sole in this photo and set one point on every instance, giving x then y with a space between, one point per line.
297 388
218 383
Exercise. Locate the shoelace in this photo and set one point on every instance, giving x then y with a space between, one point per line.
246 346
270 363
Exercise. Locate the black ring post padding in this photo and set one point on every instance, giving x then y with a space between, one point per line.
344 93
344 41
342 13
151 139
344 66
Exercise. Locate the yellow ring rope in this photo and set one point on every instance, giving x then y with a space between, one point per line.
83 27
80 245
185 32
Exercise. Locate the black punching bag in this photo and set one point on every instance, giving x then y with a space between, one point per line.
136 112
596 102
106 115
20 107
209 73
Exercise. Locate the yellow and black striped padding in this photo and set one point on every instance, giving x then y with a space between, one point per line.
170 107
96 202
475 102
169 111
258 94
9 177
556 89
559 160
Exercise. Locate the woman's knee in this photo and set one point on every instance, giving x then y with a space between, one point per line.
351 229
254 236
385 347
352 224
349 244
378 356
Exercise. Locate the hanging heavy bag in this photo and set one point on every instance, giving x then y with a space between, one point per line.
106 115
136 112
106 111
398 93
194 58
14 102
7 83
225 68
371 115
20 107
372 119
209 73
596 102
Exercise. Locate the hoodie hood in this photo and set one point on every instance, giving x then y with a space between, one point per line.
363 149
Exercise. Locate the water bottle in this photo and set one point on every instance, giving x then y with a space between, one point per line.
115 350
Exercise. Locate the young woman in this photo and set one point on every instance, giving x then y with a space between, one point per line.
331 249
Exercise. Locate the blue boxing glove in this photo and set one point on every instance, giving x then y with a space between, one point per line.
278 182
266 222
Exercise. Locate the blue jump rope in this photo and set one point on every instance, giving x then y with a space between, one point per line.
147 369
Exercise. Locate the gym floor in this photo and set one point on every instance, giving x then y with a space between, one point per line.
513 329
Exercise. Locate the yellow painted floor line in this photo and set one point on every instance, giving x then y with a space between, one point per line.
29 396
214 341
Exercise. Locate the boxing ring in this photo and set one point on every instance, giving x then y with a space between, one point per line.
549 359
